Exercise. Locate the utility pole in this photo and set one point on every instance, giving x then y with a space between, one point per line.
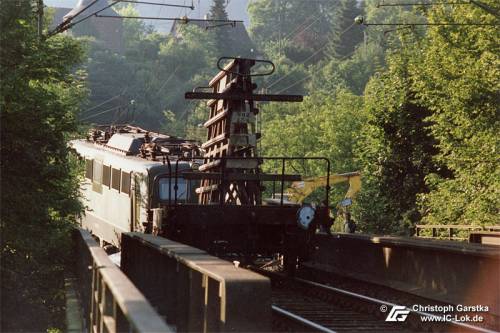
40 18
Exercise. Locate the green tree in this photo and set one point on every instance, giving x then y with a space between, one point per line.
323 125
396 150
185 64
352 72
345 35
294 28
457 78
150 78
124 87
40 95
134 30
221 34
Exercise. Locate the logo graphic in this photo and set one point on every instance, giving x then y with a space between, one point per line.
397 313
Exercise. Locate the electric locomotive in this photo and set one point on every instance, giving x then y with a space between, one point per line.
125 178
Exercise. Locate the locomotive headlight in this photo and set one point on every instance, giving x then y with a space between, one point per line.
305 216
194 165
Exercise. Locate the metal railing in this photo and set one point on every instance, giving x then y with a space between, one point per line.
110 301
222 176
452 230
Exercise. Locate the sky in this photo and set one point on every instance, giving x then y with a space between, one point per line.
236 10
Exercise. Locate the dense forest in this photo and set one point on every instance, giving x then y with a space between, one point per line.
413 106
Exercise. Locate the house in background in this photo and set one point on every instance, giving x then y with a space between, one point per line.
107 31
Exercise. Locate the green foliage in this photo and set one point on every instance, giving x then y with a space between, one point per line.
429 152
396 150
414 108
323 125
352 72
172 125
154 72
221 34
288 77
458 78
40 95
296 28
345 35
388 36
134 30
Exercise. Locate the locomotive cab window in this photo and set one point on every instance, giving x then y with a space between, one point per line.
165 194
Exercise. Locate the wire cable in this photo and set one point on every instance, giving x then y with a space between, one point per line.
308 58
476 3
69 25
423 4
106 101
159 4
299 26
304 29
311 74
179 19
103 112
63 23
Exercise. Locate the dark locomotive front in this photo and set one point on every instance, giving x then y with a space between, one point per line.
231 217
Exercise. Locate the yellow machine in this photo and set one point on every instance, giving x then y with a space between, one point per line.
301 189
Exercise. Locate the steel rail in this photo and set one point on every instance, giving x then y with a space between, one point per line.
301 320
382 302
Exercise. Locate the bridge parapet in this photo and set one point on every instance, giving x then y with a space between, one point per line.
445 271
111 302
193 290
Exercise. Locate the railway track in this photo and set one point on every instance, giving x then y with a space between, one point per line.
295 308
300 305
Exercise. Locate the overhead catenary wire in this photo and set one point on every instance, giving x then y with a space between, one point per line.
106 101
63 23
103 112
431 24
71 24
116 116
301 30
307 76
179 19
308 58
167 80
165 83
437 3
300 26
159 4
67 24
476 3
